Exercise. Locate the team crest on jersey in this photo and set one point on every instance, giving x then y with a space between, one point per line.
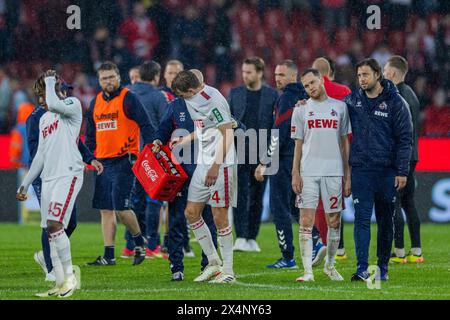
311 114
358 104
182 116
218 115
333 113
383 106
68 101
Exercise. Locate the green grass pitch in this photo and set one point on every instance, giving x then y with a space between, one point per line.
21 277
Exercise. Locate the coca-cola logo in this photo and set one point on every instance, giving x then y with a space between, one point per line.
149 171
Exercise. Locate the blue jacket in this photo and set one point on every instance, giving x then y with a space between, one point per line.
153 100
238 103
177 117
382 130
284 108
33 137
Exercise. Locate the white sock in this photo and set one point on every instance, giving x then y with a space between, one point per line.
333 238
204 238
226 249
416 251
56 262
305 239
400 253
63 246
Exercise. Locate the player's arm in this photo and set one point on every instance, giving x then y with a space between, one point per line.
297 182
345 131
226 139
297 133
135 111
90 141
35 169
68 107
403 137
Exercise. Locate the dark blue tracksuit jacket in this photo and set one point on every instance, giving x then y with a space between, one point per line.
282 198
380 150
32 126
177 117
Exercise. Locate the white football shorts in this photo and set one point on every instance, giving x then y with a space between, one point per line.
328 188
222 194
58 198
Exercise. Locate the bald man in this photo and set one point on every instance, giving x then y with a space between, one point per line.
336 91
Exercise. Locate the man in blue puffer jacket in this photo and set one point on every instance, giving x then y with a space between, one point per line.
379 159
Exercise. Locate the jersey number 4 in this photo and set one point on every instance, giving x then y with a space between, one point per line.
55 209
215 197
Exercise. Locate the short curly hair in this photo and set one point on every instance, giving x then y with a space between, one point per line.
39 87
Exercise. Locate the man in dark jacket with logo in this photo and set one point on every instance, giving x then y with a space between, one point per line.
252 104
395 70
282 197
379 160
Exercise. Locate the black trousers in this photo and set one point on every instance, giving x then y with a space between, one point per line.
405 200
247 214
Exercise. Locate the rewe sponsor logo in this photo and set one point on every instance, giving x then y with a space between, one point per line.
50 129
381 114
107 125
149 171
322 123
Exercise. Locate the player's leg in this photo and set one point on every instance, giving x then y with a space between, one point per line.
308 200
321 222
281 207
399 255
412 217
363 198
241 212
209 220
222 197
152 215
103 200
384 212
63 195
331 193
256 208
177 225
124 186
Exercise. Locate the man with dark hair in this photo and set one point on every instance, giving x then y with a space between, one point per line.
32 128
282 198
154 103
133 74
252 104
379 158
395 70
116 120
173 67
214 179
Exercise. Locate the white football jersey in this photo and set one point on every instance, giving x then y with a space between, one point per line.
209 110
59 134
320 125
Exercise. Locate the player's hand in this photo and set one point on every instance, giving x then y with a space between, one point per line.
297 182
212 175
21 194
174 142
400 182
156 145
259 173
50 73
300 103
98 166
347 187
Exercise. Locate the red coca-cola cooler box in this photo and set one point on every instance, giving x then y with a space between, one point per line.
161 176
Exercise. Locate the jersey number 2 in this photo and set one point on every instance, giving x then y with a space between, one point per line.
334 202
